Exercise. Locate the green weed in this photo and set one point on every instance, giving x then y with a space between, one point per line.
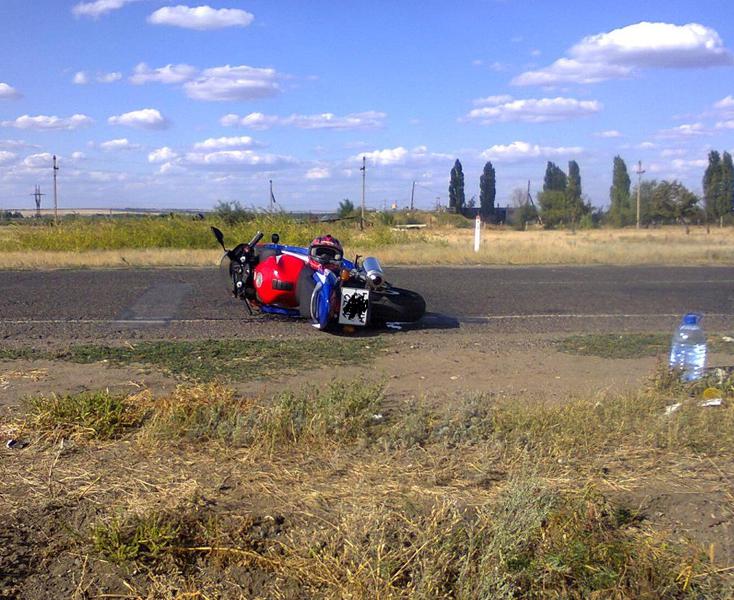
181 232
224 360
630 345
136 539
341 412
97 415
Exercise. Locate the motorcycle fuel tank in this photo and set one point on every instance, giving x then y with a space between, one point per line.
275 280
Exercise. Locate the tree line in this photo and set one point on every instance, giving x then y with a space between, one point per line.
563 204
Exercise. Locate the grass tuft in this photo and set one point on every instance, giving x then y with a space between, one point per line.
97 415
341 412
136 539
630 345
228 360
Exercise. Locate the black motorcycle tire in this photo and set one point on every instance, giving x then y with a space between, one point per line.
395 305
304 291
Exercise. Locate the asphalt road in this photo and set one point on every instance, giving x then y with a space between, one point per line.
183 303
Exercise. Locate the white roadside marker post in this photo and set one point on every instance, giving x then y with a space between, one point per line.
477 233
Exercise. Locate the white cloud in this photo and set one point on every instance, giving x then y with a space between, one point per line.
668 152
518 151
685 131
15 144
118 144
80 78
532 110
200 17
246 158
8 92
244 141
169 167
97 8
109 77
401 156
388 156
142 73
363 120
610 133
229 83
78 155
622 52
254 120
7 157
686 165
493 100
318 173
38 161
146 118
724 110
725 104
43 122
164 154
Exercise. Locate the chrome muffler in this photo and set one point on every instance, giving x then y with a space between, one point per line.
374 272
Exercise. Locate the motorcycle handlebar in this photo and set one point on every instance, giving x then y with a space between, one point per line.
256 239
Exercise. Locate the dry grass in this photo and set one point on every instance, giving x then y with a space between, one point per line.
156 257
313 495
666 246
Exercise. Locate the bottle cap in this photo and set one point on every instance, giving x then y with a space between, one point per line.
691 319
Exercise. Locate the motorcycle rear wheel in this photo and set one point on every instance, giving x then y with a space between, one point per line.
396 305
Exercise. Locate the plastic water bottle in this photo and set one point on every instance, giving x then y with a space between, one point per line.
688 348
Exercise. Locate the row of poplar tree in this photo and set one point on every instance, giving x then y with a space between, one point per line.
562 202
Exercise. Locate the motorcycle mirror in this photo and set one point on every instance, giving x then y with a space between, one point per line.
220 237
275 238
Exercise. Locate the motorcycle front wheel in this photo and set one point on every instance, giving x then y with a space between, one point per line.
395 304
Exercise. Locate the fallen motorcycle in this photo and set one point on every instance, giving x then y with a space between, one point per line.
277 279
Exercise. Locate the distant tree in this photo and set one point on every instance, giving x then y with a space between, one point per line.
648 216
232 212
672 202
725 204
456 188
576 206
524 212
620 209
555 179
487 192
712 185
553 208
553 201
346 208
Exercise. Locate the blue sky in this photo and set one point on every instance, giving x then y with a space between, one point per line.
161 104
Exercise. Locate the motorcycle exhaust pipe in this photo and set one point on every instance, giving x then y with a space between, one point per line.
373 269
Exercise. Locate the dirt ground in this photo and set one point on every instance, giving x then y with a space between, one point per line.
421 365
434 367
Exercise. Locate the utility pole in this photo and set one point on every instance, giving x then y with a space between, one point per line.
272 198
363 168
412 195
37 197
56 198
529 200
639 180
